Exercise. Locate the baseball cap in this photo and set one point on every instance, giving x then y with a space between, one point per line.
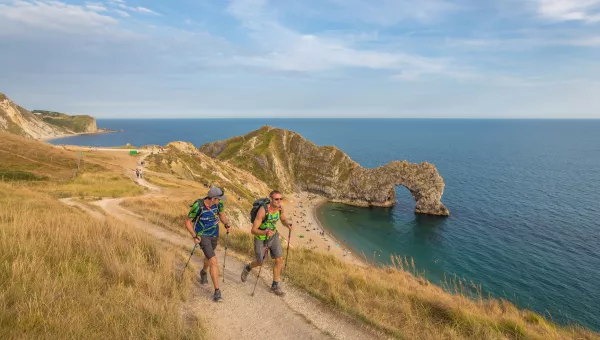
216 192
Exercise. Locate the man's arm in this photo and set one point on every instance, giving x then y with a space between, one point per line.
285 221
190 227
223 219
260 215
189 221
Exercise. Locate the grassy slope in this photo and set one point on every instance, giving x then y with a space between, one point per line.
66 275
78 123
50 169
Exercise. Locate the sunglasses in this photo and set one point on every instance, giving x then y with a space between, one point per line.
277 199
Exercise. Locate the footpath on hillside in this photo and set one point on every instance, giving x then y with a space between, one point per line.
241 316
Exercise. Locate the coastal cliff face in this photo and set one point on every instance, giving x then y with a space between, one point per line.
43 124
76 124
287 161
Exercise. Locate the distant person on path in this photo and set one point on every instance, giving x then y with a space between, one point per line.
141 175
264 229
203 224
137 172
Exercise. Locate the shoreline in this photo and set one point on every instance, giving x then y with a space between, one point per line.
302 210
103 132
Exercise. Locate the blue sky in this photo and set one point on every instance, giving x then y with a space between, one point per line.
303 58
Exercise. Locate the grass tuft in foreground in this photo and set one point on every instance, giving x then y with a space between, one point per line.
66 275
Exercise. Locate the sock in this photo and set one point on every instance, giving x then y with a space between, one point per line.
216 290
248 268
275 284
202 271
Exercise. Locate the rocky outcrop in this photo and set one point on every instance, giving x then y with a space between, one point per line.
287 161
42 124
74 124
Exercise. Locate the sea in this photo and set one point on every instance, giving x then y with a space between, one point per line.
523 195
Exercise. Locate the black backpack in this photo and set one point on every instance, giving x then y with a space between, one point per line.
261 202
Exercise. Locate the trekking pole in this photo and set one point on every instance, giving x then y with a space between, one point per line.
225 257
287 253
188 261
261 265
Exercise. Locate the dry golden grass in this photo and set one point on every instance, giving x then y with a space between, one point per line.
45 168
390 299
66 275
105 184
167 213
161 181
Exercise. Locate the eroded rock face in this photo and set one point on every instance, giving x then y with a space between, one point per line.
288 162
41 124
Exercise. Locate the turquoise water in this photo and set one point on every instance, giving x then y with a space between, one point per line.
524 197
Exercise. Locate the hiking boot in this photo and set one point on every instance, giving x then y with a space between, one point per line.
203 277
245 272
217 297
277 290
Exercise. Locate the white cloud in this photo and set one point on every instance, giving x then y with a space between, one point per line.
570 10
96 7
390 12
53 15
121 13
142 10
289 50
137 9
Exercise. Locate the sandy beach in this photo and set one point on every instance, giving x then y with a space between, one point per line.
301 208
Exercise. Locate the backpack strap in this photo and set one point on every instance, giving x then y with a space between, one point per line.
201 210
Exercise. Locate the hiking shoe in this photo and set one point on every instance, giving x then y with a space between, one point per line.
217 297
277 290
203 277
245 272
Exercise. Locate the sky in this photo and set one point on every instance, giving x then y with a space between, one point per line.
303 58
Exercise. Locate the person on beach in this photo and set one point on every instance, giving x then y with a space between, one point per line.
203 224
137 173
264 229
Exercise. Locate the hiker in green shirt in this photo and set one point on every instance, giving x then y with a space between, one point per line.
264 229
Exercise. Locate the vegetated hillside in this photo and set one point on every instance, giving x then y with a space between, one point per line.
58 171
23 158
19 121
287 161
77 123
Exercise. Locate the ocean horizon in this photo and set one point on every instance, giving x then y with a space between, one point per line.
522 193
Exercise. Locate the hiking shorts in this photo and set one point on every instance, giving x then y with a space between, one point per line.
274 247
208 244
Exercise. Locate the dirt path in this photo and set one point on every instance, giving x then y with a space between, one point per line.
296 316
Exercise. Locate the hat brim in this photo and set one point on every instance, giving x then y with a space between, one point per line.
222 197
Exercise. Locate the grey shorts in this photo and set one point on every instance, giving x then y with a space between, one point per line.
274 247
208 244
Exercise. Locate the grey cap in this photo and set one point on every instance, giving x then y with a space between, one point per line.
216 192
